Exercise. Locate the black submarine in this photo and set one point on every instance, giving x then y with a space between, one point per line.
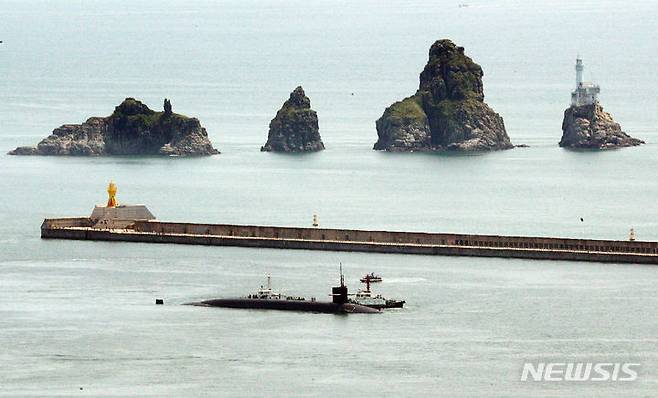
267 299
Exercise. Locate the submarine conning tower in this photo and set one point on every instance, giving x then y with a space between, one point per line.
116 216
339 293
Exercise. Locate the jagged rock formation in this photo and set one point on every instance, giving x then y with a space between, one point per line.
589 127
295 126
167 107
447 112
132 129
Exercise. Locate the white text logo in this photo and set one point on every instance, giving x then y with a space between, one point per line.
579 371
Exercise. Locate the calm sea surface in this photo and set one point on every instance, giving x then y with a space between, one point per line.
77 318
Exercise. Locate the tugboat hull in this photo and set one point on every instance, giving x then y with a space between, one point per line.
381 306
394 303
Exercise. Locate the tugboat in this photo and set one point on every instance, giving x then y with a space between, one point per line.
371 277
267 299
366 298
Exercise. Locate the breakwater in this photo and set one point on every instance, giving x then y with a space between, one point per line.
544 248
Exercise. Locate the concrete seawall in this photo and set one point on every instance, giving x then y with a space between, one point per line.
359 241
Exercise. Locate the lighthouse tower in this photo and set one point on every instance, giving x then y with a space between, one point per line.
586 93
579 72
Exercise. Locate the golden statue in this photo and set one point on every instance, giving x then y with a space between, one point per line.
112 192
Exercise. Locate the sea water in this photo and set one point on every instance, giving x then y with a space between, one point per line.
79 317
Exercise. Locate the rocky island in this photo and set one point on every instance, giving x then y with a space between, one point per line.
295 126
447 112
586 125
132 129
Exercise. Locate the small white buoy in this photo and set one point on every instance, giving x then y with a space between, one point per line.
315 220
631 235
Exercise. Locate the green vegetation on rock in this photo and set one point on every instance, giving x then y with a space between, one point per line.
409 109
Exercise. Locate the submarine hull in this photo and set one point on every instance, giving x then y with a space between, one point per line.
289 305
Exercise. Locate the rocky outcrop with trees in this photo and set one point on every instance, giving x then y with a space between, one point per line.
447 112
132 129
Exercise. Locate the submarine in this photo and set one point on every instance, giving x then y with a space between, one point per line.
267 299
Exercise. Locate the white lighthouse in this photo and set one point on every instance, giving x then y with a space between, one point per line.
579 72
586 93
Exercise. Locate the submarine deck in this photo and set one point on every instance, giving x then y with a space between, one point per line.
288 305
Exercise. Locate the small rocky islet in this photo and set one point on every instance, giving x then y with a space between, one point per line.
132 129
295 126
589 127
586 125
447 112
